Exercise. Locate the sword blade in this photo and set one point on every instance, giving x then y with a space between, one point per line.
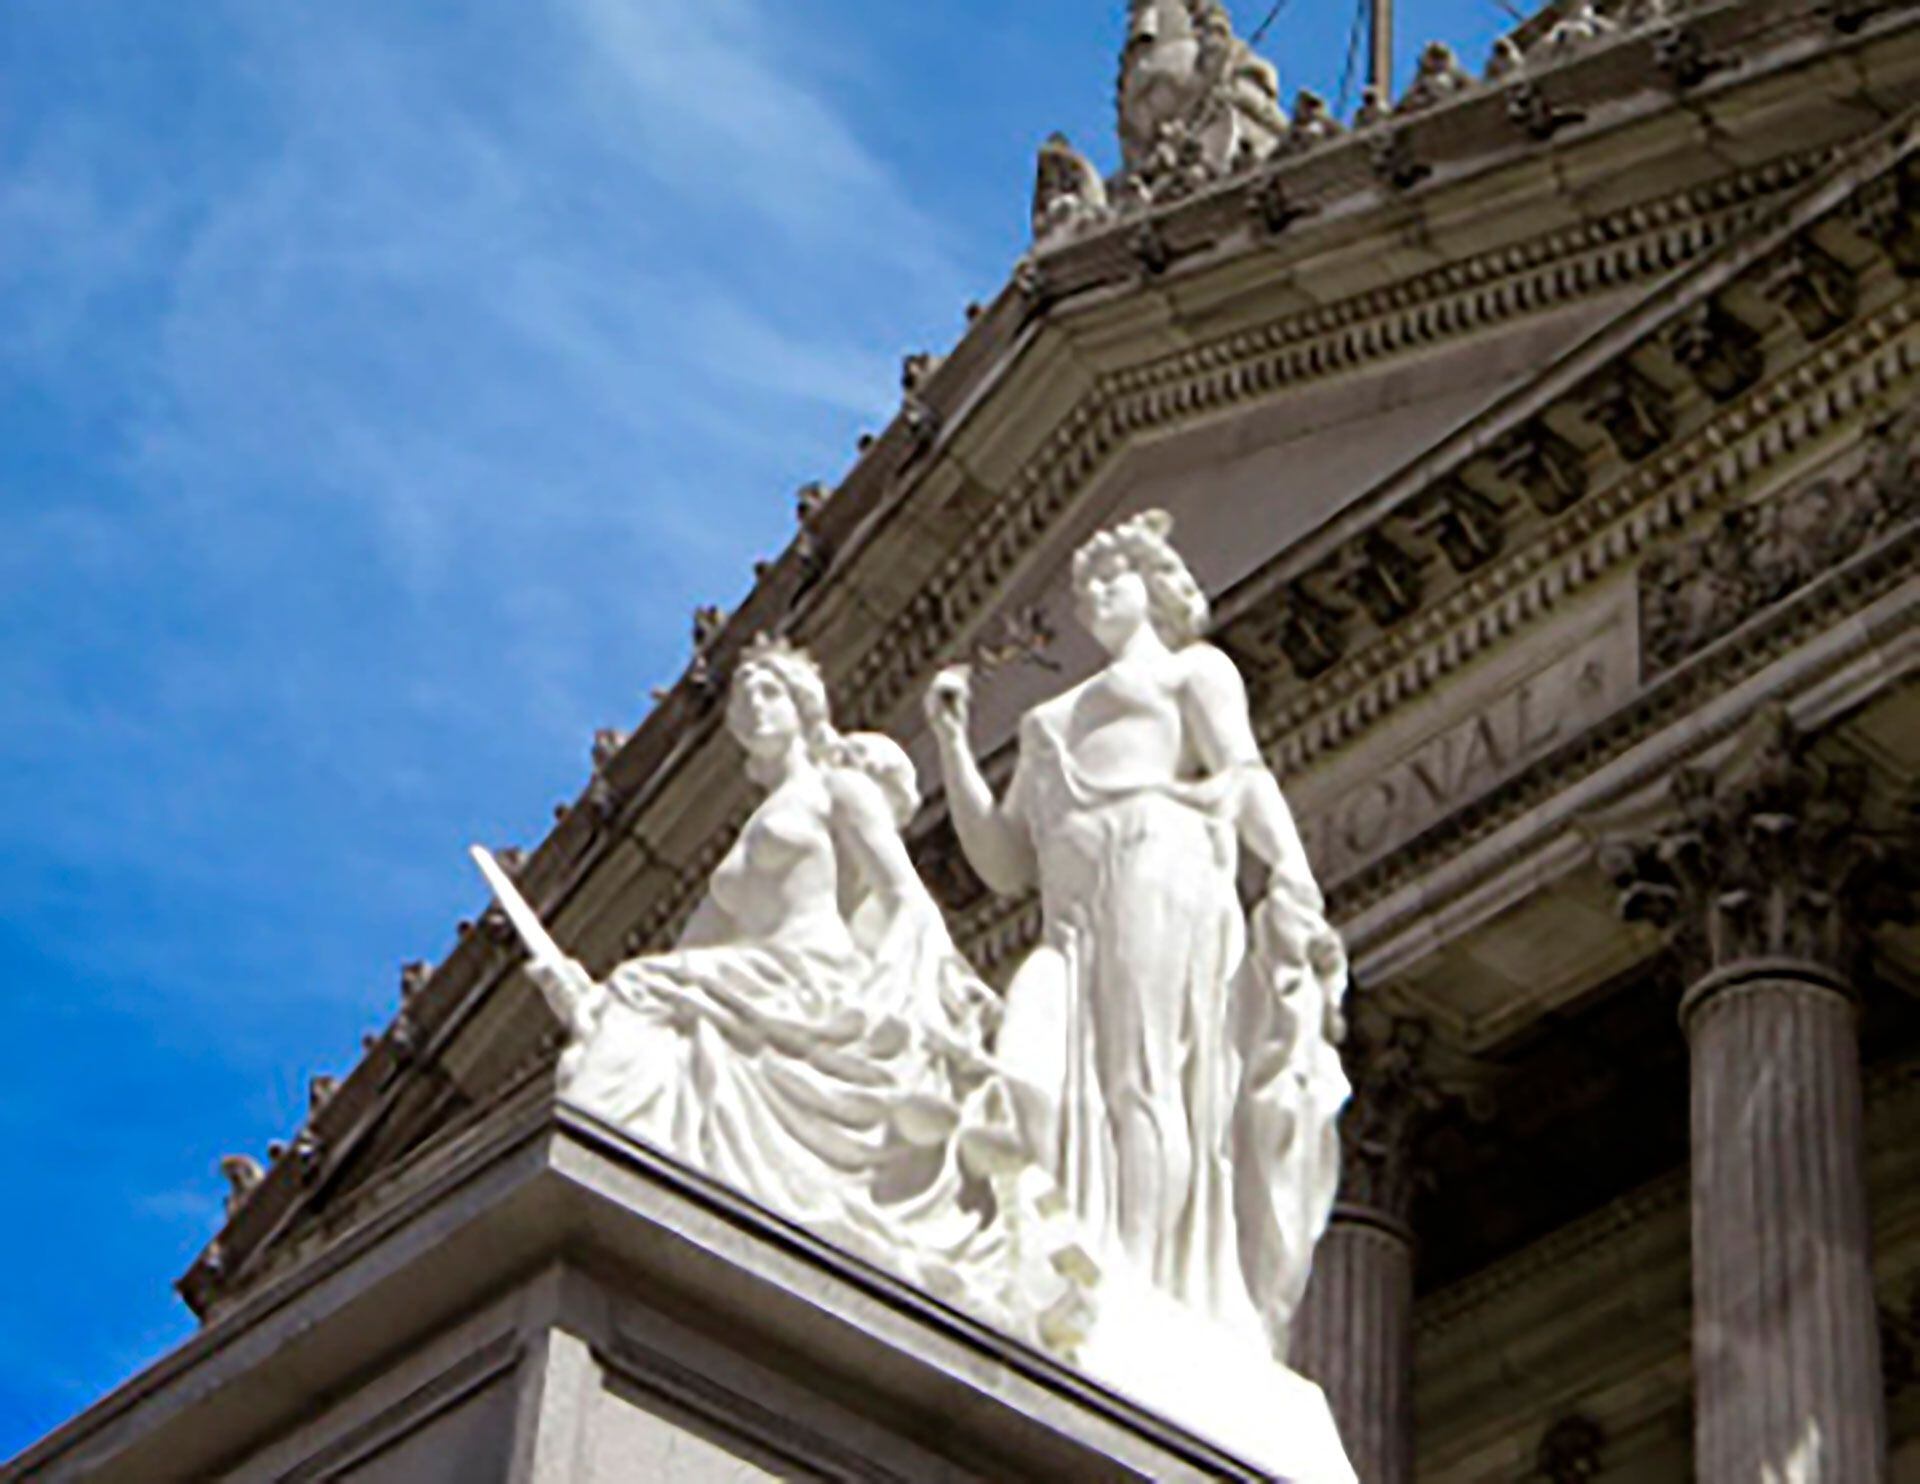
526 922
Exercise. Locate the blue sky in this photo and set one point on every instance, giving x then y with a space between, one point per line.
382 383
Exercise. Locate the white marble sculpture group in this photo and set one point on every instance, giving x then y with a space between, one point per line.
1125 1160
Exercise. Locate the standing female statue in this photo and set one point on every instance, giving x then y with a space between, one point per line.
815 1040
1182 1087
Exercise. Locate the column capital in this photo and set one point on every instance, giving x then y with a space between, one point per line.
1400 1079
1766 864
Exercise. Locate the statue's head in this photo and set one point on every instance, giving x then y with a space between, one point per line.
1129 574
777 695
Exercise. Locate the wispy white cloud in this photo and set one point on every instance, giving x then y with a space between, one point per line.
422 405
713 106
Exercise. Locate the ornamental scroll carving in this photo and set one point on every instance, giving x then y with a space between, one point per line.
1393 1091
1402 1081
1773 857
1756 555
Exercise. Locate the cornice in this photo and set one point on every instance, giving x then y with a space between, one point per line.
1734 451
1553 270
1324 708
1717 669
1630 245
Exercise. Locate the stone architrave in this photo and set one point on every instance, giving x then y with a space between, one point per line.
1766 880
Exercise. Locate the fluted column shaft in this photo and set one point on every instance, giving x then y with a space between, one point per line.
1767 876
1353 1332
1354 1335
1786 1346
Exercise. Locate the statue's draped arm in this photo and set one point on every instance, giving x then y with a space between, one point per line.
1222 728
864 826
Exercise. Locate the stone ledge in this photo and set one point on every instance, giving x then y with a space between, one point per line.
539 1184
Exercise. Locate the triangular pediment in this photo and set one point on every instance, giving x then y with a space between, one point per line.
1355 419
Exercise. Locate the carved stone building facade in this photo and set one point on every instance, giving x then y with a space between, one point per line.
1550 446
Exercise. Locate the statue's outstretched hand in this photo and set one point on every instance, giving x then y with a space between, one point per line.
949 704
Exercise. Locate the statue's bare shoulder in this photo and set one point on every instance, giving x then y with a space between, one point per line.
1209 674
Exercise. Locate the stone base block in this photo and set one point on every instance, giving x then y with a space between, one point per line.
543 1300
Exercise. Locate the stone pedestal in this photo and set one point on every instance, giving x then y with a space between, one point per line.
1786 1352
542 1300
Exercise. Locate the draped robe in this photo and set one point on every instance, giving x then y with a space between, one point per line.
1167 1017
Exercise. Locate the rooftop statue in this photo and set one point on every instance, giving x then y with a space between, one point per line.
1195 104
1068 193
1185 74
815 1040
1175 1062
1135 1162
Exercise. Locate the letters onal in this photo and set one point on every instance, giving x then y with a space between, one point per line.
1470 757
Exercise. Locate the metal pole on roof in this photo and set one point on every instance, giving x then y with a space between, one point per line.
1380 50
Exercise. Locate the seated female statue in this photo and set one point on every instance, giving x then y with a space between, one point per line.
815 1040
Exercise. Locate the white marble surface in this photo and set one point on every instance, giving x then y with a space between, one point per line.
1128 1164
1174 1064
815 1039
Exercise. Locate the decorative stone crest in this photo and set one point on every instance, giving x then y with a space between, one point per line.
1394 162
242 1173
1150 250
1528 107
1439 79
810 500
1682 57
1582 27
1769 858
1505 60
1068 193
1756 555
607 742
702 674
1313 123
1274 207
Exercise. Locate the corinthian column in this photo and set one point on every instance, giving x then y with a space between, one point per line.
1354 1331
1765 881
